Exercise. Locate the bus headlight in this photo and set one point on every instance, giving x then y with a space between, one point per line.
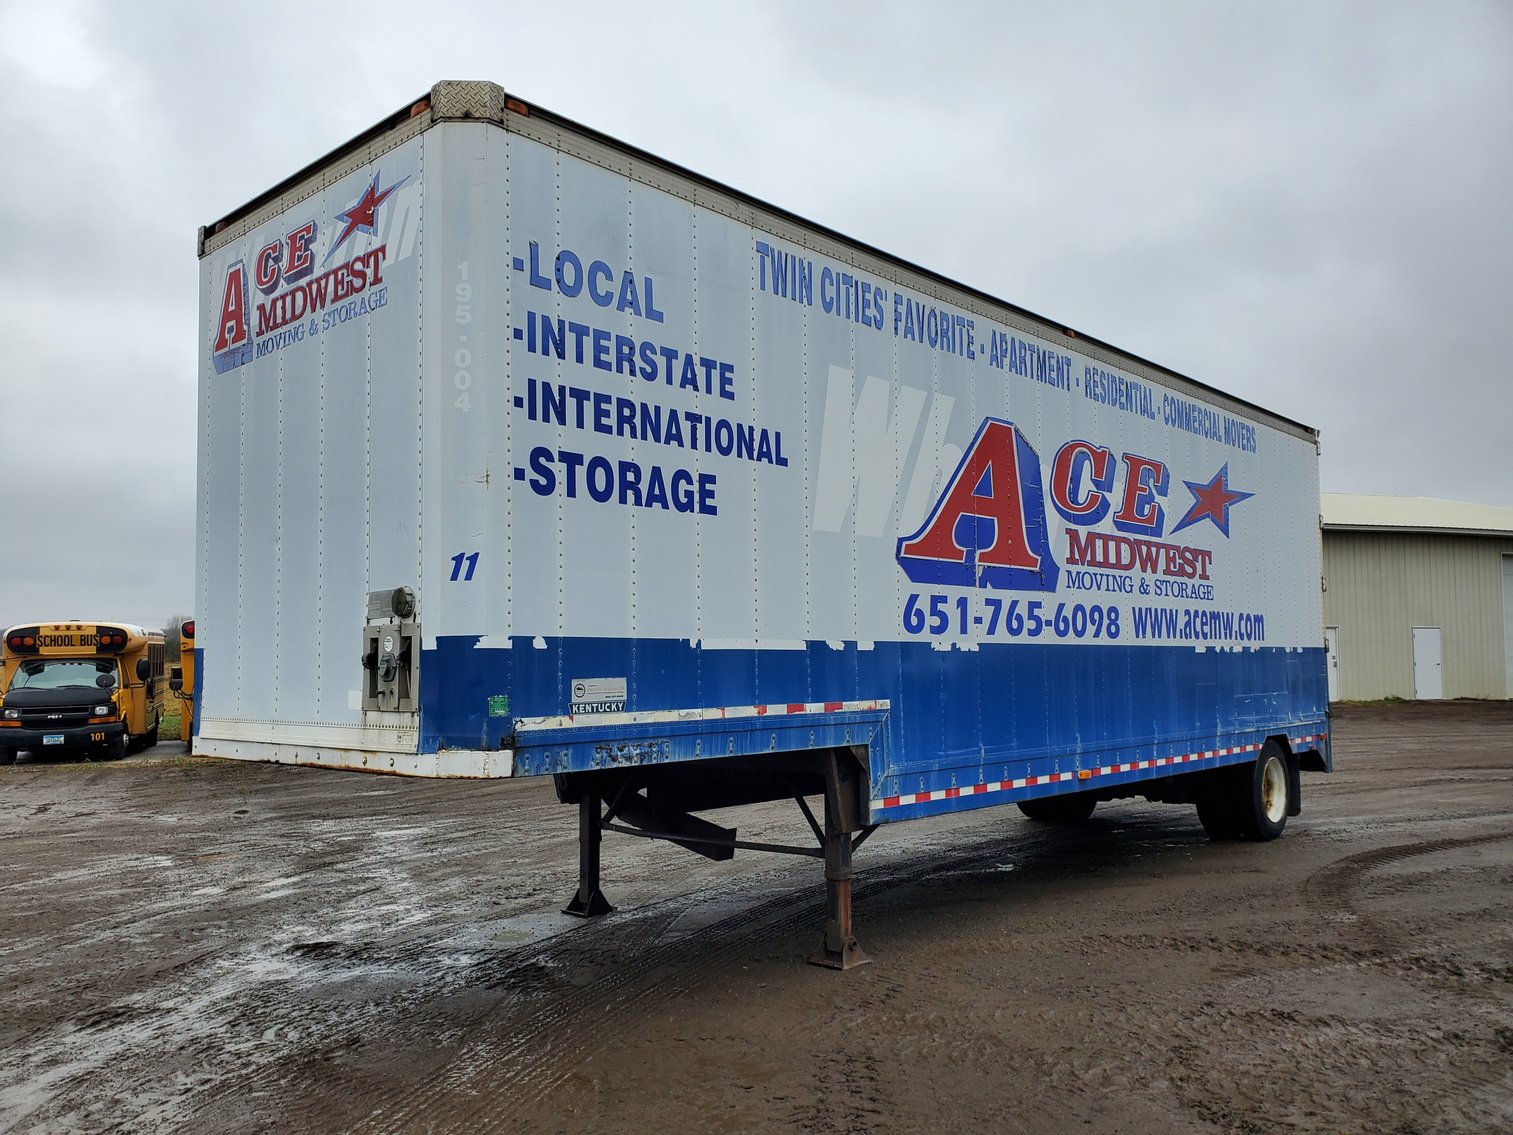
12 715
104 710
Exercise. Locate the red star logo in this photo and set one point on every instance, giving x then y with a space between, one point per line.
361 215
1212 501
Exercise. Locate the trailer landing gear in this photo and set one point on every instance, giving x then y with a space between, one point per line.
589 901
838 948
656 804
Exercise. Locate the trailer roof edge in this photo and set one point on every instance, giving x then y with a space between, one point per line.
480 100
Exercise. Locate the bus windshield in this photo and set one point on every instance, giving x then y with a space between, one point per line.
63 673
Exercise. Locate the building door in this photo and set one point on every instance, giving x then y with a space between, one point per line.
1332 651
1428 664
1507 619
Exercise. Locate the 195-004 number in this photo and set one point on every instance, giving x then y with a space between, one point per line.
1013 618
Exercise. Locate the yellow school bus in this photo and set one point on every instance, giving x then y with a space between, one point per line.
181 680
88 686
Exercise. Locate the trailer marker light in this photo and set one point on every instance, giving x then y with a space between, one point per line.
517 106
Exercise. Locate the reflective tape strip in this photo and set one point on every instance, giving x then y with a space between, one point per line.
714 713
1058 777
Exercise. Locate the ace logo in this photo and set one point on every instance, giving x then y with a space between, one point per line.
989 527
284 271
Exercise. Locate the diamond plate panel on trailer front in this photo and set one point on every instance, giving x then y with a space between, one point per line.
476 100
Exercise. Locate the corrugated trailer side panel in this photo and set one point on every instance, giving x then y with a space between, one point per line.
785 588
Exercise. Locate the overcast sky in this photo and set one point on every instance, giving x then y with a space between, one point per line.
1305 204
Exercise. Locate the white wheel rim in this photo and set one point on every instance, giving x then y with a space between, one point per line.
1274 790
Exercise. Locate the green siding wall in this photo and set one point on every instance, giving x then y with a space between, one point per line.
1382 585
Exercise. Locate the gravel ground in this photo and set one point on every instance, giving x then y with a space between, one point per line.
204 946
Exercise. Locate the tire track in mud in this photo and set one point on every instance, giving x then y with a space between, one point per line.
324 1033
538 1048
221 999
1333 889
1344 1068
499 1074
207 1011
1318 959
512 974
1364 786
1347 1062
848 1098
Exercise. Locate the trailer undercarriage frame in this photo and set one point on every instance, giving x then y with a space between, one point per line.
612 800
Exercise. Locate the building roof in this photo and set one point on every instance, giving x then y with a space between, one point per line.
1368 513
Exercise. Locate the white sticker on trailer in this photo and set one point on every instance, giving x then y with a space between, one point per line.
598 695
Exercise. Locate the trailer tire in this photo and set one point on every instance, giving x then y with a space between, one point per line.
1267 800
1216 811
1074 808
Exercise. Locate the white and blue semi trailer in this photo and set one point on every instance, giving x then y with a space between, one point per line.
525 453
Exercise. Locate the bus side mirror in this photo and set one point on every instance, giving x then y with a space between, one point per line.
175 678
144 669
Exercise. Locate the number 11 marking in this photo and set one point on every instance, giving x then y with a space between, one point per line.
469 558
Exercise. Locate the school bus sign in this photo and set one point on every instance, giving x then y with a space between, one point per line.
67 642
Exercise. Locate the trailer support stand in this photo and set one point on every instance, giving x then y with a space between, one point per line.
839 949
589 901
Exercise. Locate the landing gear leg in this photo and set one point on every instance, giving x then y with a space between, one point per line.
589 901
839 949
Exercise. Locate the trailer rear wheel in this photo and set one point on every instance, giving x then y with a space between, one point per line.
1070 809
1249 801
1263 814
1216 810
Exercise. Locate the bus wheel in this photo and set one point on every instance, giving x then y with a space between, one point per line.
116 750
152 736
7 756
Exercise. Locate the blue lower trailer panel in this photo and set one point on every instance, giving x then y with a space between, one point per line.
945 729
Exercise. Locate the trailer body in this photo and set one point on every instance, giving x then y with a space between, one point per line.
523 452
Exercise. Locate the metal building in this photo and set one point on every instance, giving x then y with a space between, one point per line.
1419 598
